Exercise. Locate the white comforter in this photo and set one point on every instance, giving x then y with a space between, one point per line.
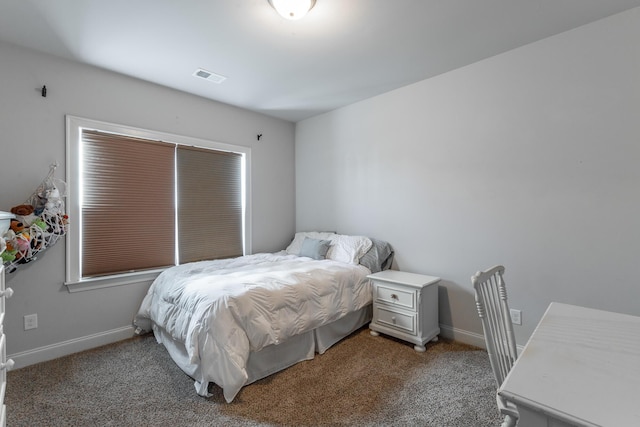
221 310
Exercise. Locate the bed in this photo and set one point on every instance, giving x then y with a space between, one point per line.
234 321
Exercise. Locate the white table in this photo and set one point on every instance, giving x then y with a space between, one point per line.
580 367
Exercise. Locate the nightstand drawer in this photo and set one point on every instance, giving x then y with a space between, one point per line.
404 322
398 297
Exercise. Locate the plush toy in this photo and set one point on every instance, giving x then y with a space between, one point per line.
10 251
23 245
54 203
22 210
40 224
23 242
38 232
39 201
16 226
25 214
8 256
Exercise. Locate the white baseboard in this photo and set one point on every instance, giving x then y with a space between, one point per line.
467 337
462 336
65 348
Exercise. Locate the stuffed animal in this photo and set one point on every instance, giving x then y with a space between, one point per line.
22 210
10 251
40 224
24 214
23 242
16 226
8 256
23 245
54 203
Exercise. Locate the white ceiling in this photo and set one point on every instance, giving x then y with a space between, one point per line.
343 51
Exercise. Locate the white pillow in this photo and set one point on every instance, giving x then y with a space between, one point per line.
348 249
296 244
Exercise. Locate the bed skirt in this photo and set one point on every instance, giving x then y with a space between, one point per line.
275 358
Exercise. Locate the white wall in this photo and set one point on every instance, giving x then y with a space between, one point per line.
33 137
528 159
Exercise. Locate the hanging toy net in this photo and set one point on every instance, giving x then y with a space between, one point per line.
40 222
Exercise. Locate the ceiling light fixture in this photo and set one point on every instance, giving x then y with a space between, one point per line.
292 9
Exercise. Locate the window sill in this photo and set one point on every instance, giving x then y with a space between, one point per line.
111 281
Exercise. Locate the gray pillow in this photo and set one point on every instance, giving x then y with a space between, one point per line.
314 248
379 257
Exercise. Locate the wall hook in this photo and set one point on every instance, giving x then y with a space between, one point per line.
259 136
44 91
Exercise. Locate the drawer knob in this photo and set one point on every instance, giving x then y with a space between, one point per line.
8 365
8 293
394 296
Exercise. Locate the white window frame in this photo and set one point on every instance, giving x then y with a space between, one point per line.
74 126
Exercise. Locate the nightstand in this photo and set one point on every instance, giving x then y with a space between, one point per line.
405 306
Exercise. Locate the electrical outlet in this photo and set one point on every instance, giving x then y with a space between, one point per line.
30 321
516 316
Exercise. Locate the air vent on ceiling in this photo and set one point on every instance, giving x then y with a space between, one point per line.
208 75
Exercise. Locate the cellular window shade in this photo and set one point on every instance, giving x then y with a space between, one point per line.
209 204
128 215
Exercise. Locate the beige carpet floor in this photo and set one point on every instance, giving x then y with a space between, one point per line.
361 381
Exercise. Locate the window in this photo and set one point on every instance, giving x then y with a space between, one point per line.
140 201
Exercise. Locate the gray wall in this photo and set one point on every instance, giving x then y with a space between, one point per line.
527 159
33 137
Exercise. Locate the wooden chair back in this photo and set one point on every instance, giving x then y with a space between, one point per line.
493 309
